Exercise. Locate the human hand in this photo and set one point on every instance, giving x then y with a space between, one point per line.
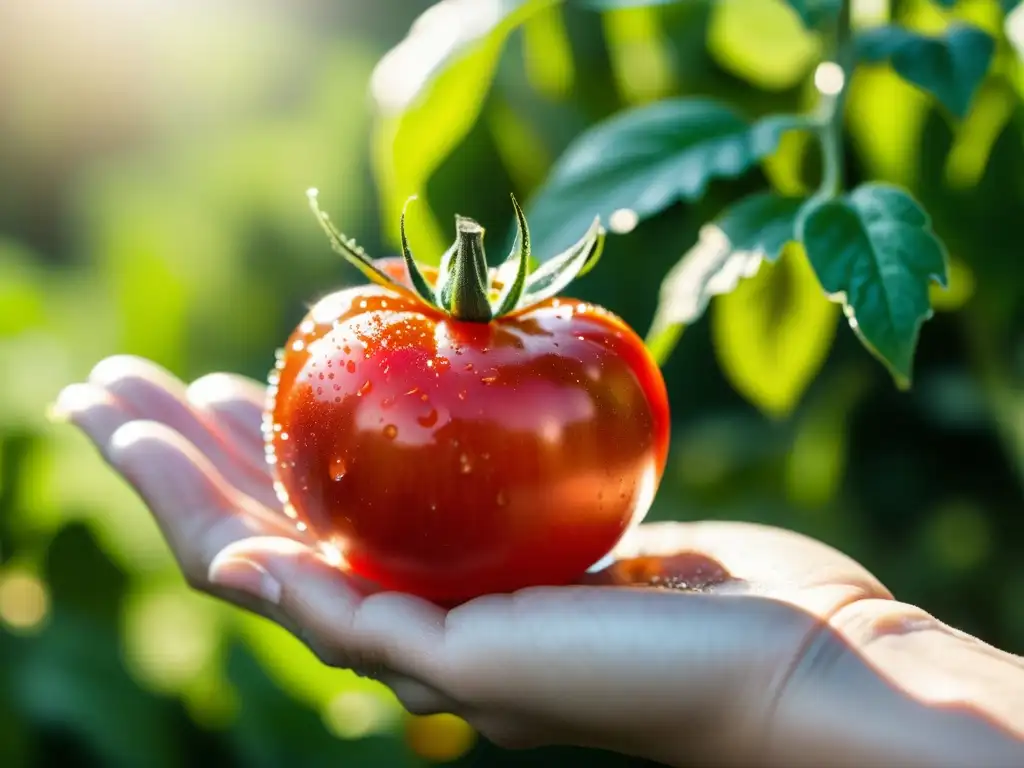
702 643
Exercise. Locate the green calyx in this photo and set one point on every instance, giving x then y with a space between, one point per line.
465 285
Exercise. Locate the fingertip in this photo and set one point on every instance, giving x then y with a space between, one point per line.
130 437
110 370
75 399
219 388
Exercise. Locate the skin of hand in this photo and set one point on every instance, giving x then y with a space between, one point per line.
701 644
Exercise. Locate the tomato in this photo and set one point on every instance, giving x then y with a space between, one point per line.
451 457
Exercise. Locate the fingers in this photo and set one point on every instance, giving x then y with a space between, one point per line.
143 390
397 639
197 511
235 404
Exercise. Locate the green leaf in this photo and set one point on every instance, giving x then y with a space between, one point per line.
950 66
728 250
813 13
429 90
874 251
773 333
644 160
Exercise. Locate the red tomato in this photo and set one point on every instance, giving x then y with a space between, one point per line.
451 458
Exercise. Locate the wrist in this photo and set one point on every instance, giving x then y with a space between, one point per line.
887 684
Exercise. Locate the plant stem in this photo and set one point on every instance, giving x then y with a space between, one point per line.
829 120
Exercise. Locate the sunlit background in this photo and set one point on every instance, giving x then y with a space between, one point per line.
154 157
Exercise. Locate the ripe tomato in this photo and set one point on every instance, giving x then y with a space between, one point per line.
449 455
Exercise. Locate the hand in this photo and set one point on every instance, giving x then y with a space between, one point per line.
702 642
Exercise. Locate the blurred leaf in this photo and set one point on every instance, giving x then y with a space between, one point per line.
547 53
297 671
640 54
644 160
874 251
430 89
728 250
950 66
273 730
811 12
885 116
21 299
773 332
957 293
816 463
763 42
991 110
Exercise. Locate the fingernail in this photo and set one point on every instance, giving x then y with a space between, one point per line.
246 576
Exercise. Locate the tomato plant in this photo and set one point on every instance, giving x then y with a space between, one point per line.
461 431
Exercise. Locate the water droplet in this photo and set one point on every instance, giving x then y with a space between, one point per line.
365 389
413 391
462 395
298 345
464 465
469 366
424 397
390 431
430 363
338 469
428 420
433 506
489 380
277 427
279 353
350 366
284 435
387 402
307 326
274 378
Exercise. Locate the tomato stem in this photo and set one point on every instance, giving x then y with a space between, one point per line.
464 292
464 284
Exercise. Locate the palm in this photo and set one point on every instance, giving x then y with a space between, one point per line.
195 455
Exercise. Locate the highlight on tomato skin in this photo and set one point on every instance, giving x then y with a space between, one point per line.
452 457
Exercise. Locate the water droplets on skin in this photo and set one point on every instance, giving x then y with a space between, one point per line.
365 389
429 419
338 469
465 467
488 380
390 431
298 345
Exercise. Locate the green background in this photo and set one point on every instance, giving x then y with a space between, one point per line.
154 158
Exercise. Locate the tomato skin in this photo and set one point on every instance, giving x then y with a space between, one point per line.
451 459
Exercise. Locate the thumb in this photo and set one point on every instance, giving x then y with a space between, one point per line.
394 638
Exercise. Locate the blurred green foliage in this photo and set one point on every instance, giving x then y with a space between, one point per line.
153 162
